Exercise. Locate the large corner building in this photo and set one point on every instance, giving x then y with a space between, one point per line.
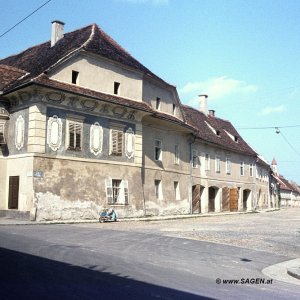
84 125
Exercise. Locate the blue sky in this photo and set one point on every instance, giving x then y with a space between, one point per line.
243 53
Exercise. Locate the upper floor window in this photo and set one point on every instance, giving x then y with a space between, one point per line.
116 140
157 104
251 169
242 168
194 158
176 155
157 150
228 165
2 136
75 75
116 88
207 162
218 164
74 135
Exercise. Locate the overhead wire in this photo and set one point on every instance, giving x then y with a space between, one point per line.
11 28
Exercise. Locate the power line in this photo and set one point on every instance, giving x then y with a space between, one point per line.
7 31
289 143
269 127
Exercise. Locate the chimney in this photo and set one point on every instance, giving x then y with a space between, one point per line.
211 113
57 32
203 104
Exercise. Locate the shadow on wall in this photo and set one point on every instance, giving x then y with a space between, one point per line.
31 277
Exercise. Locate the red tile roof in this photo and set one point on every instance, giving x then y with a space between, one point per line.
201 123
41 58
9 75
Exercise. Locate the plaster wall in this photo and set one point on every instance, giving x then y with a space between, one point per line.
100 74
152 91
76 188
3 183
21 166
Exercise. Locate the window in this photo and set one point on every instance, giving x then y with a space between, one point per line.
174 109
75 77
116 141
176 154
74 135
242 168
2 136
176 190
157 106
251 170
158 189
116 88
157 150
227 165
217 164
117 191
207 162
194 158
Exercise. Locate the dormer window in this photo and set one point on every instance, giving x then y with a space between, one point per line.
216 132
116 88
233 137
75 77
2 137
157 106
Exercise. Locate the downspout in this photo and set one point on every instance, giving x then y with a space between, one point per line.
191 140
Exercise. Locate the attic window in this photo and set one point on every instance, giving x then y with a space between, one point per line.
116 88
233 137
216 132
157 106
174 109
75 77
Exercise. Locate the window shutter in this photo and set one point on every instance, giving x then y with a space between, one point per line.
2 136
117 142
125 186
109 191
71 135
78 136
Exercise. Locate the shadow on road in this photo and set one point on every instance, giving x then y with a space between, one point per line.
25 276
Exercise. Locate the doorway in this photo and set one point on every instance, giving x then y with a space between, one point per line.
13 192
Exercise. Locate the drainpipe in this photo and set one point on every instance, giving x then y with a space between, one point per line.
191 140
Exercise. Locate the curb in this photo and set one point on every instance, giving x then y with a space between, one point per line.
294 272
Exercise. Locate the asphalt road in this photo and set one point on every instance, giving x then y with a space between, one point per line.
94 262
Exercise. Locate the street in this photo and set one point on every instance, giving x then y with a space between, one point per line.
175 259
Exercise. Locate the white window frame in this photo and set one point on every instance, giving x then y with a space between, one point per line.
2 132
177 190
158 189
117 194
194 158
251 169
158 147
207 162
176 155
242 168
158 104
77 124
228 165
218 164
116 148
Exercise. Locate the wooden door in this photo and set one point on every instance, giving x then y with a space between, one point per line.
211 199
13 193
234 197
196 199
225 199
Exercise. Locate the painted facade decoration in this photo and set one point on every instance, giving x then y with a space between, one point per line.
120 139
54 136
19 132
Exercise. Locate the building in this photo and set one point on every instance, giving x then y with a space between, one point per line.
84 125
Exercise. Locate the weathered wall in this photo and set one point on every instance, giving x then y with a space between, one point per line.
3 183
99 75
76 189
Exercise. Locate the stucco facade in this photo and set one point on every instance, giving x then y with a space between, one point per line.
89 127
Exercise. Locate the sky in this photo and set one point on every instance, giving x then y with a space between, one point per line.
244 54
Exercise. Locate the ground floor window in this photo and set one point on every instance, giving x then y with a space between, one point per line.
158 189
117 191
